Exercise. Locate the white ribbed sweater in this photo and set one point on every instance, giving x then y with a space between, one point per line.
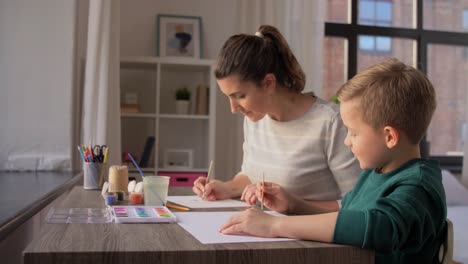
306 156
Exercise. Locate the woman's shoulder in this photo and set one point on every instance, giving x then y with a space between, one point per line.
325 108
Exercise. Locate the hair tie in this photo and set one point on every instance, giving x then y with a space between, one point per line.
258 34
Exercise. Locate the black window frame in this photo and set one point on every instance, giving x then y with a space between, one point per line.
423 38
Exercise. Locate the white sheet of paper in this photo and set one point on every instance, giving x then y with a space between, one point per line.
204 227
193 201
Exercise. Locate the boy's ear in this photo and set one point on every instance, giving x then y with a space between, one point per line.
269 82
392 136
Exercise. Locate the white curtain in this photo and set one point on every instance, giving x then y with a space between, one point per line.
101 97
302 24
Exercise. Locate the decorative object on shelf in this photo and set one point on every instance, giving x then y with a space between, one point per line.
125 159
182 101
179 36
178 158
130 103
202 100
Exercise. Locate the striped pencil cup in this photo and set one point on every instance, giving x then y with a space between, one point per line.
91 174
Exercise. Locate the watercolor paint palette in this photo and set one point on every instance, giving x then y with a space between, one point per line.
143 214
79 216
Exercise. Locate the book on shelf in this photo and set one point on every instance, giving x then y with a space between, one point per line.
202 100
145 156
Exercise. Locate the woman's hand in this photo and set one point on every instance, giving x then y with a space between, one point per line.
214 190
248 195
252 222
273 196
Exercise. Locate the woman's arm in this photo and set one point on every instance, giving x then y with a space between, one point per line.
341 161
237 185
219 190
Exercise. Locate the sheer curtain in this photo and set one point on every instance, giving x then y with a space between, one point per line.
101 95
302 24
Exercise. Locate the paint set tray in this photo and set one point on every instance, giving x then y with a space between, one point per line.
143 214
118 214
79 216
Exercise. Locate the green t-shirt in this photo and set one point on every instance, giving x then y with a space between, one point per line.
400 214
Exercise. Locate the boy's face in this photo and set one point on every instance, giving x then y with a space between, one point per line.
366 143
244 97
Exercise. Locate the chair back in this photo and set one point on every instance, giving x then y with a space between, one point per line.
446 246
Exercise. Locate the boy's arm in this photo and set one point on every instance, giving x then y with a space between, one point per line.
407 215
258 223
304 207
319 227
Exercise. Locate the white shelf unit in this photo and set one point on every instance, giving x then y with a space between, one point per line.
155 80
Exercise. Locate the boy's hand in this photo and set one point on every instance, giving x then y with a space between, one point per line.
214 190
252 222
274 196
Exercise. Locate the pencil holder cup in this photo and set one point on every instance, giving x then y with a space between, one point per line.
92 174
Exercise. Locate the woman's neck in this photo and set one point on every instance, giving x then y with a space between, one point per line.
289 106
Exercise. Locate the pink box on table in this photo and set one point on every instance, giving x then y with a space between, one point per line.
181 179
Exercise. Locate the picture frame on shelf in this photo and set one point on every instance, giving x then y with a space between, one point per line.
179 36
178 158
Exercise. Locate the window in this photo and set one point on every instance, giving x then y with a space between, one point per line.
403 49
465 20
375 13
430 35
334 65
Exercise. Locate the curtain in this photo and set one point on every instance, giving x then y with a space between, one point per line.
302 24
101 95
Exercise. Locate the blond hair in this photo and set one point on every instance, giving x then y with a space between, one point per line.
393 94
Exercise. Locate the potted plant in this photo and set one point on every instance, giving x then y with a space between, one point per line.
182 100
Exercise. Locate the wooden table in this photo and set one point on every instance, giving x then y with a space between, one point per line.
166 243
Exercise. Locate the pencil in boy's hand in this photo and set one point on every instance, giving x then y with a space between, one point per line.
263 184
208 177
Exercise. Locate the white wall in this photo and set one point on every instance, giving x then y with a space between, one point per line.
36 66
138 38
36 71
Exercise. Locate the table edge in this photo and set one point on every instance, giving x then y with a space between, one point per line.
35 207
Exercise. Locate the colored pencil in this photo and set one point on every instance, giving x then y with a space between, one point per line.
104 161
81 154
177 207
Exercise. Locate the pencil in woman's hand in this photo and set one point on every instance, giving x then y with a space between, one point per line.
263 185
208 177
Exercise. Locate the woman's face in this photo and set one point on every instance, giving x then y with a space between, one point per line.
245 97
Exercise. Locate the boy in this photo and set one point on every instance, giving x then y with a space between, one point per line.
397 206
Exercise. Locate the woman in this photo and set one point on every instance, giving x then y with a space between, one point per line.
293 139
